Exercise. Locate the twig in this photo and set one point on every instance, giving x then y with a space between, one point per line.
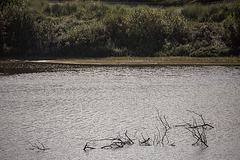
200 136
131 142
145 142
166 123
159 136
38 146
204 123
197 128
87 147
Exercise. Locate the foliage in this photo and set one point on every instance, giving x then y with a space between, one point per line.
206 13
144 31
6 3
59 10
86 41
77 28
159 2
235 30
89 11
17 30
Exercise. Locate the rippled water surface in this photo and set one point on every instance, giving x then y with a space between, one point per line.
65 109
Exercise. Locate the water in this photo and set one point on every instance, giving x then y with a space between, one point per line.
69 107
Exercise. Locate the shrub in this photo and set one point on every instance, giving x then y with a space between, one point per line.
87 40
181 50
209 51
143 31
7 3
59 10
232 31
90 11
47 10
17 30
206 13
91 29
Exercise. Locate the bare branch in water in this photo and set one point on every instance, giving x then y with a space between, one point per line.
199 130
196 128
38 145
87 147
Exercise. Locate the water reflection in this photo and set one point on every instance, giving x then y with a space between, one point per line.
66 108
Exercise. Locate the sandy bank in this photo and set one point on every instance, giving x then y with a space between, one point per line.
149 61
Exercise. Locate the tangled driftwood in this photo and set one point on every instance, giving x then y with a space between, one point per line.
114 143
198 131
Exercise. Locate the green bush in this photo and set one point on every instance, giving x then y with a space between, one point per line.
7 3
180 50
198 49
92 11
59 10
209 51
17 30
143 30
87 40
206 13
232 36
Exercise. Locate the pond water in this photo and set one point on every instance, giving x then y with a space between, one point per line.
65 109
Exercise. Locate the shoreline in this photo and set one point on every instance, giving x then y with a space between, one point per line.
147 61
13 66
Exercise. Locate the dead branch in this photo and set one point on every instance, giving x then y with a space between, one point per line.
165 135
114 143
107 147
166 126
200 137
181 125
166 123
129 139
201 125
87 147
199 130
145 142
38 145
172 144
159 136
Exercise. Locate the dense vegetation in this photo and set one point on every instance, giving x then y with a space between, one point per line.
159 2
77 28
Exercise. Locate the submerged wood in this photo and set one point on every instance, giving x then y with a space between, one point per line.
197 130
38 145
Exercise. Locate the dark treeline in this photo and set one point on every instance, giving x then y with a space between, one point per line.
78 28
